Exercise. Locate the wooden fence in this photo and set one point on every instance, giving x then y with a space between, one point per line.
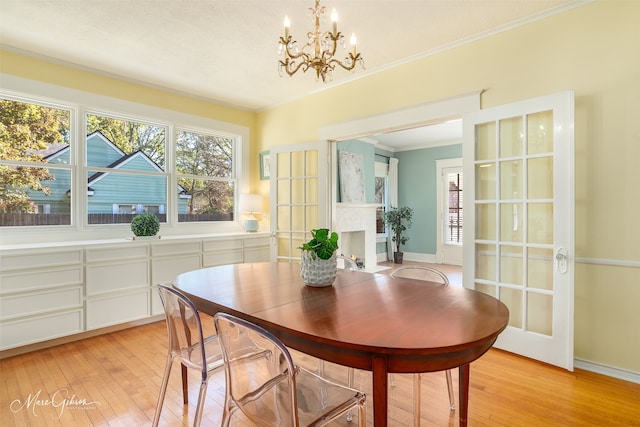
26 219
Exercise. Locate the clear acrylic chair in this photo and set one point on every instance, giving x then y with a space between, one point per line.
188 344
432 275
263 382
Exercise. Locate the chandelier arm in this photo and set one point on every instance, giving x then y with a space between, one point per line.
354 60
291 71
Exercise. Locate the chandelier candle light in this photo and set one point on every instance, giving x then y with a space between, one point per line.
319 50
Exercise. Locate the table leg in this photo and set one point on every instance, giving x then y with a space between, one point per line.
463 385
380 391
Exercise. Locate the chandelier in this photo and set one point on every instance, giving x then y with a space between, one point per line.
319 50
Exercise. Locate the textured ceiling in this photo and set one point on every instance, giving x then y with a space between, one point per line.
225 51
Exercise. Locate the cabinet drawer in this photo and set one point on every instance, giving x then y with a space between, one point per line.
256 242
210 260
117 308
113 277
39 259
40 302
35 329
164 249
129 251
40 279
166 269
257 254
221 245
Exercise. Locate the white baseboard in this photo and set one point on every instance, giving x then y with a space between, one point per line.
621 374
418 257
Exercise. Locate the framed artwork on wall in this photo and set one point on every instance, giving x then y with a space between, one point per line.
351 173
265 165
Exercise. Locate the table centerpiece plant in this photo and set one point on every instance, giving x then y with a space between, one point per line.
318 264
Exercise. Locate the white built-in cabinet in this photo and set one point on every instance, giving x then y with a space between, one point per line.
53 292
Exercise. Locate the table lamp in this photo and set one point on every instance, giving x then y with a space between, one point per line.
250 204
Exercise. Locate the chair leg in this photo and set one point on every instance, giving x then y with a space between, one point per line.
163 389
185 385
350 381
200 406
416 399
452 402
362 416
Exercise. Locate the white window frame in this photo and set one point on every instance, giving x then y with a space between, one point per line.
80 103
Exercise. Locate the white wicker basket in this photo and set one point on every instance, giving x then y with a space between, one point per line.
318 272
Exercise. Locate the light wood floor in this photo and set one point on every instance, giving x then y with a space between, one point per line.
114 379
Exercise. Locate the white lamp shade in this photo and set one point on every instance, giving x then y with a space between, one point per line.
250 203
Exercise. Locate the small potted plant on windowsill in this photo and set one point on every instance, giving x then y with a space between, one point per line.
318 264
399 220
145 225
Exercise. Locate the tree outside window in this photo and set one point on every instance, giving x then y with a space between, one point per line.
30 135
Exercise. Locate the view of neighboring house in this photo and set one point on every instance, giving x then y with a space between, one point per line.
109 192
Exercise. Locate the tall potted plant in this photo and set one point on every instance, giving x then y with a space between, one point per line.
398 220
318 261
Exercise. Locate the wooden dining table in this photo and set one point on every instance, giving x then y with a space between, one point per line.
364 320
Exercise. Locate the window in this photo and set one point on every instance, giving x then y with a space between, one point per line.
204 164
381 195
454 226
126 164
35 164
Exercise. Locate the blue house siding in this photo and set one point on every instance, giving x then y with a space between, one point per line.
101 152
125 189
58 200
106 189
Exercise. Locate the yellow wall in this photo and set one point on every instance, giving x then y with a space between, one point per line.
592 50
36 69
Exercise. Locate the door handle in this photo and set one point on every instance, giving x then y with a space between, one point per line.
561 261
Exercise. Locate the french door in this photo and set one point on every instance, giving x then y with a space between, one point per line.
299 201
519 237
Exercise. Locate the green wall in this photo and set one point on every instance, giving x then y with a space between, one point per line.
417 182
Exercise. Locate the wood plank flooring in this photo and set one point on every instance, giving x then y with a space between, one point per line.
114 379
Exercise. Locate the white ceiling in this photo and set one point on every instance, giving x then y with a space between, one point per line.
226 51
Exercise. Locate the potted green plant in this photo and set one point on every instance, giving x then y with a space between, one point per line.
318 259
145 225
398 220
